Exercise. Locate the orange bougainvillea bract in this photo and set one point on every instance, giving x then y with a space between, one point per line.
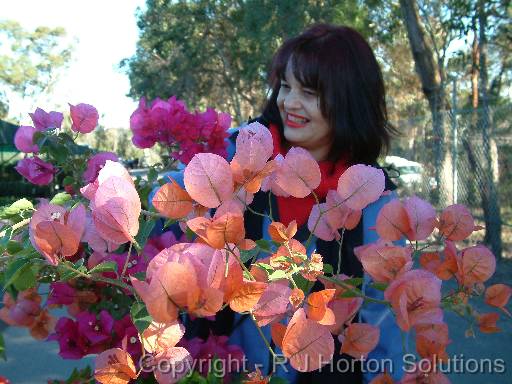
172 201
114 366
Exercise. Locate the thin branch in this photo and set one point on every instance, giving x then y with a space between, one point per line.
240 262
15 226
339 251
354 290
152 214
270 205
125 267
252 210
107 280
263 336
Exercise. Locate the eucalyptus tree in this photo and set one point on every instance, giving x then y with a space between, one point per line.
30 61
217 52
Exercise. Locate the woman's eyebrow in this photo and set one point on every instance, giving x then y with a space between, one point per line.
308 87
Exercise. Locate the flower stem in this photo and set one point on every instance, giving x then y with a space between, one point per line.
340 243
16 226
240 262
107 280
404 342
310 237
270 206
256 213
263 336
125 267
113 282
152 214
354 290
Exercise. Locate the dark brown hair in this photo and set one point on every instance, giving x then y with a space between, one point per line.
339 64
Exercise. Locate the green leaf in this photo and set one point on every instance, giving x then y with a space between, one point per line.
247 275
13 247
83 376
14 270
106 266
74 375
193 378
140 275
168 223
353 293
264 245
416 255
27 277
328 269
190 234
60 198
216 372
277 275
281 259
303 283
379 286
66 274
66 139
28 252
266 267
140 316
145 228
4 240
355 281
152 175
39 138
16 208
2 348
56 150
68 180
245 256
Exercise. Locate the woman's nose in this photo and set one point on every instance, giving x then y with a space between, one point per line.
291 101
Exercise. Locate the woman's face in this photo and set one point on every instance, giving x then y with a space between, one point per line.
304 124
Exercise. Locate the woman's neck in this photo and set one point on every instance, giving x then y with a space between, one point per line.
319 154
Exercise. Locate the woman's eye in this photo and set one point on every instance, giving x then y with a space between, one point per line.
285 85
310 92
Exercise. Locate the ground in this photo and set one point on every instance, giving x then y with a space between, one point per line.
483 346
31 362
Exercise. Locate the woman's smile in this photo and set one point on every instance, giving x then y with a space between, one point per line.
295 121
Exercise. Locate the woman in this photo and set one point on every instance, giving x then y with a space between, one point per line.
327 97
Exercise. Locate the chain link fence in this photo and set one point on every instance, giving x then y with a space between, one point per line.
476 169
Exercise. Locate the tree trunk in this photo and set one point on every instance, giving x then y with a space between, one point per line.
491 207
433 89
475 59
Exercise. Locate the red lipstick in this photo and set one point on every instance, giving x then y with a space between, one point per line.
293 123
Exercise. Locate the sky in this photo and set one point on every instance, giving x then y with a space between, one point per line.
105 33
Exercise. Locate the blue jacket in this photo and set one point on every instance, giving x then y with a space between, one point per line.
388 355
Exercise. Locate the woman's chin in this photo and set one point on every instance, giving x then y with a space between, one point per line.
295 136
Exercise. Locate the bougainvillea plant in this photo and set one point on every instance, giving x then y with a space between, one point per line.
181 132
126 292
